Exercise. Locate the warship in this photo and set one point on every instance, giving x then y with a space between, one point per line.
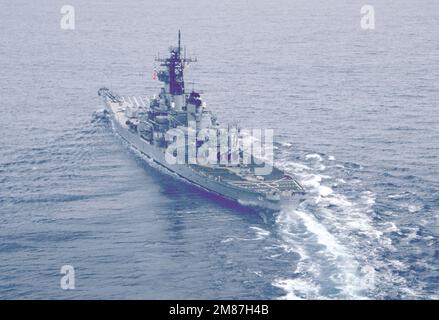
147 130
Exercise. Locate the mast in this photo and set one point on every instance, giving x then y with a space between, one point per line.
172 75
179 41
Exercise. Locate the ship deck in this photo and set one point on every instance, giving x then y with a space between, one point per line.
275 181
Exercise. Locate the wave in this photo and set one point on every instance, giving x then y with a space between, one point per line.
345 252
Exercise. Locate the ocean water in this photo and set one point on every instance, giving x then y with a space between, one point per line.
355 114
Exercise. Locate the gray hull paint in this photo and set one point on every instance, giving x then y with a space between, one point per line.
189 175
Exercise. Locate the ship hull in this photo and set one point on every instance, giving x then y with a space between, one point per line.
186 173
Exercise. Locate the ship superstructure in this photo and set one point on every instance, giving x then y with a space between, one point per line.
148 130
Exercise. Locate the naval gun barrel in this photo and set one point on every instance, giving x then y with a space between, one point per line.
106 93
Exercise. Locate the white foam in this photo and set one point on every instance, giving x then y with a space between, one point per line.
314 156
323 236
292 166
313 181
325 191
413 234
368 197
258 273
398 265
412 208
297 289
352 245
392 227
340 201
260 233
346 274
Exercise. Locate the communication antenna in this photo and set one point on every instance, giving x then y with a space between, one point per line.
178 41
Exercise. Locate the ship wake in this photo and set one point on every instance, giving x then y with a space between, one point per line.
342 246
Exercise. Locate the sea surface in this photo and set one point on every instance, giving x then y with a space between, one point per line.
356 119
